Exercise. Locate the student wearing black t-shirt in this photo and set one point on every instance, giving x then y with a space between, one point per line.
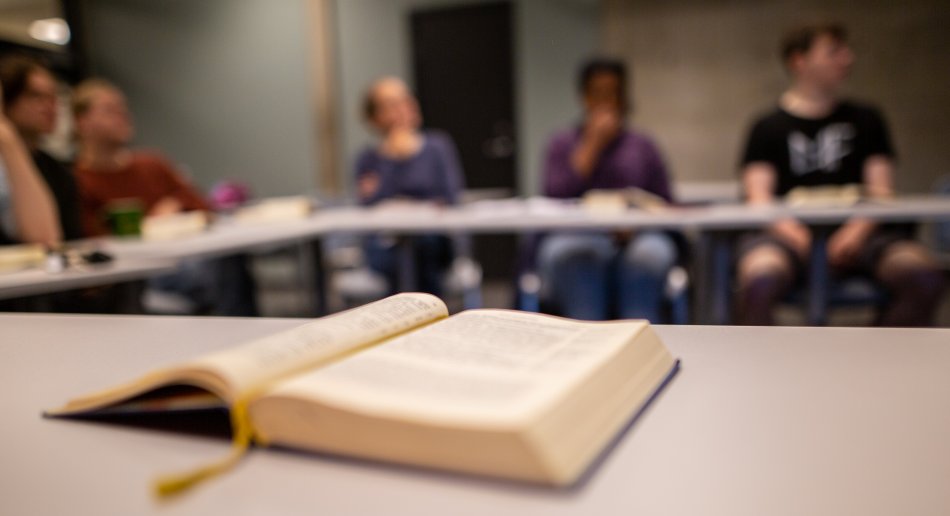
815 138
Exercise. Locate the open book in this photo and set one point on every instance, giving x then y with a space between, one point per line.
488 392
827 196
21 256
613 201
275 209
175 225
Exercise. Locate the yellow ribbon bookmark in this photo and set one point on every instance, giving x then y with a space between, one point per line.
243 434
243 430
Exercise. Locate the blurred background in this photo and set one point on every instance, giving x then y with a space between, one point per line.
268 92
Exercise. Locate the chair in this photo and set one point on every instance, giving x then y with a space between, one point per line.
356 283
823 293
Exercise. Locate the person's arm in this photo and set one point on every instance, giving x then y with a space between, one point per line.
758 181
759 177
558 174
368 181
877 173
845 244
879 177
34 210
180 195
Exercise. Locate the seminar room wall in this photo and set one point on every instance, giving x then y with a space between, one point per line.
223 87
551 38
703 69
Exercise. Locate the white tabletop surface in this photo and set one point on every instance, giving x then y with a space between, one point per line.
507 216
36 281
782 421
220 239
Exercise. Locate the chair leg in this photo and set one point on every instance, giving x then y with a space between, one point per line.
677 294
529 286
719 283
679 309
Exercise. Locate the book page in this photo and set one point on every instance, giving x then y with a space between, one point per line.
483 366
258 363
248 368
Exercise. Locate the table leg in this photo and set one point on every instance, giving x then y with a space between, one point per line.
722 277
130 294
818 275
469 272
714 279
406 273
312 275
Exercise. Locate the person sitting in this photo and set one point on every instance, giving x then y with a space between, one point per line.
598 276
406 163
815 137
27 210
107 170
30 107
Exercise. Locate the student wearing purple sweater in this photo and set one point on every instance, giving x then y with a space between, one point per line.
407 163
595 275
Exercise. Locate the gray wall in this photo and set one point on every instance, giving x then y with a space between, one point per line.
552 36
220 86
703 69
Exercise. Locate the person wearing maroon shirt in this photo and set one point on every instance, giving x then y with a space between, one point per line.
145 176
107 170
595 275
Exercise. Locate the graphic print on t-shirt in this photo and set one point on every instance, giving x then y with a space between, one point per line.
823 153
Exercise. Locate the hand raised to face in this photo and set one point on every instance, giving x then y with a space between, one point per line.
602 125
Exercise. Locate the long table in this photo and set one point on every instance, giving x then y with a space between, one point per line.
521 216
31 282
778 421
514 216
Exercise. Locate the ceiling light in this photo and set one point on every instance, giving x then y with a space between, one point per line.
50 30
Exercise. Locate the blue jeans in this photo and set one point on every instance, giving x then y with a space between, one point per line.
587 276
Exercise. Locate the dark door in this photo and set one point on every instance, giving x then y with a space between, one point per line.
464 77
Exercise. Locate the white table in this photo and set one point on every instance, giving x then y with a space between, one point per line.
221 239
777 421
511 216
531 215
31 282
228 238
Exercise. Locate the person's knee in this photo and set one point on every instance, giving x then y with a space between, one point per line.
576 250
908 267
927 285
765 264
903 258
653 253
